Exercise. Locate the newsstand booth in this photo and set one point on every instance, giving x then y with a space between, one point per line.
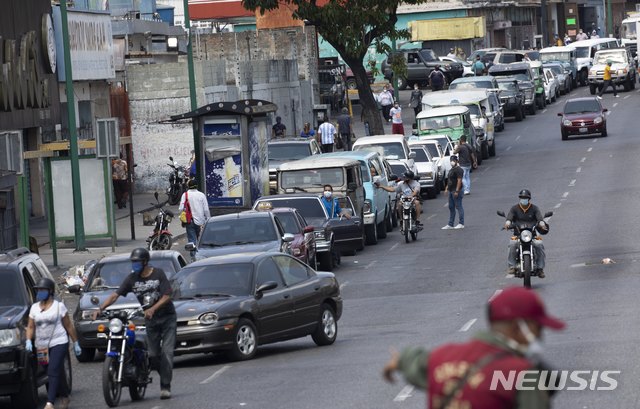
232 145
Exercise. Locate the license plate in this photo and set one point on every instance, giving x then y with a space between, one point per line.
583 130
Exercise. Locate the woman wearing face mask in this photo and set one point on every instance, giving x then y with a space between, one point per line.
51 326
331 204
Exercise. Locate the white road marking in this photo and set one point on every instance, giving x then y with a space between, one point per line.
595 140
156 407
498 158
371 264
243 404
404 394
394 247
579 169
431 217
468 325
625 97
518 137
486 168
615 104
590 149
578 265
495 294
572 183
565 194
446 205
508 148
343 285
583 159
215 374
544 110
557 206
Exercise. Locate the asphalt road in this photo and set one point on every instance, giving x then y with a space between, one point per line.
435 290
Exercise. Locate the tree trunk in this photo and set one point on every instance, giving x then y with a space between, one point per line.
367 100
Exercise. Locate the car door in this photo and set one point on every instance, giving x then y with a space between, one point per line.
346 232
275 307
305 293
382 197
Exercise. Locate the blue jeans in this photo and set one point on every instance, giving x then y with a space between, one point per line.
161 341
55 371
455 203
193 232
466 178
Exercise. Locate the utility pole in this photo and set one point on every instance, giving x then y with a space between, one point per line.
78 217
193 97
543 23
609 19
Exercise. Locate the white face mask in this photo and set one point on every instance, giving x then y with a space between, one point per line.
535 349
327 194
453 163
524 202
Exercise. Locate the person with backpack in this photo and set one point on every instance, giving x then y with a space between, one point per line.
478 66
196 212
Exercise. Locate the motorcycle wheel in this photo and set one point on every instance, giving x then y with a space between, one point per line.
138 390
162 242
174 196
111 388
414 236
526 274
405 230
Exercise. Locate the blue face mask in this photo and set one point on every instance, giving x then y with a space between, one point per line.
137 266
524 202
42 295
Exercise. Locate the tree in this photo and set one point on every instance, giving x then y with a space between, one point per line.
351 27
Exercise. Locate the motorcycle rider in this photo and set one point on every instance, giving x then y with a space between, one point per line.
409 186
151 287
528 214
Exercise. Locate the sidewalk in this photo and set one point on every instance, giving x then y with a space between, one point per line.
98 248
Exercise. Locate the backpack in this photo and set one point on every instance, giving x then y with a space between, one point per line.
186 216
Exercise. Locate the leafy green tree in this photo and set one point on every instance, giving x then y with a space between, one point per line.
351 27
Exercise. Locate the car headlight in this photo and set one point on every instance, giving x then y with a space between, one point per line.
319 234
622 72
566 122
115 325
526 236
209 318
9 337
366 208
87 314
598 120
592 72
428 175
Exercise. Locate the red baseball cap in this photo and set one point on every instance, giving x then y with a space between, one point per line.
520 303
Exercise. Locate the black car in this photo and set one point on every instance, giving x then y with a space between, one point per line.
420 63
103 279
20 374
236 302
512 98
334 236
520 72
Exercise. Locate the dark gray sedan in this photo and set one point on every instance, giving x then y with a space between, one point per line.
234 303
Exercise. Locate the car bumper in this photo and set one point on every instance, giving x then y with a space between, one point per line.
199 338
369 218
426 183
584 130
12 361
614 79
322 245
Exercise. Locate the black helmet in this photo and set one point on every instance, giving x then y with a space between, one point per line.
140 254
525 193
409 175
45 284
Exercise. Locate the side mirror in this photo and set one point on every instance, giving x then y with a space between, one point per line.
268 286
412 155
352 186
74 289
500 213
155 194
190 247
309 229
559 113
548 214
605 110
288 237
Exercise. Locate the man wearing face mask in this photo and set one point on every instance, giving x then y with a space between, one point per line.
151 287
528 214
454 187
331 204
461 375
408 186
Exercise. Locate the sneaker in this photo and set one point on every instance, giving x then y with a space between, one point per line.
447 227
459 226
165 393
511 270
466 192
541 273
599 97
616 96
63 403
49 405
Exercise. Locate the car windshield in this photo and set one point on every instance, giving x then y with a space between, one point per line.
238 231
421 155
441 122
579 107
556 68
474 110
111 274
312 177
428 55
582 52
388 149
555 56
471 85
507 85
308 207
629 30
288 151
288 221
10 292
432 149
213 280
614 56
518 75
398 169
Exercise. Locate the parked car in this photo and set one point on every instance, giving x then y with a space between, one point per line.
563 77
503 57
551 85
586 50
583 116
566 57
398 167
512 98
20 374
482 52
420 63
334 236
287 150
520 72
241 232
437 152
466 65
623 69
103 279
486 82
235 303
389 146
428 173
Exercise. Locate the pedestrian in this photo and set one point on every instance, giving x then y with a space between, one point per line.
49 323
326 134
594 34
567 39
478 66
307 132
153 291
581 35
194 203
386 102
454 187
463 375
416 100
607 81
345 128
119 175
452 53
466 160
436 79
557 41
278 130
396 119
332 204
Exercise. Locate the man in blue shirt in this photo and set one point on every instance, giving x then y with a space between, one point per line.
331 204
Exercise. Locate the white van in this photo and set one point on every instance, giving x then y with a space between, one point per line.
585 50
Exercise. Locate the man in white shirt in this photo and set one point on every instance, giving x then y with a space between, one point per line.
195 204
326 131
452 53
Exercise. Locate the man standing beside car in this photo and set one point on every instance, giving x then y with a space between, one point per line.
467 160
195 204
607 81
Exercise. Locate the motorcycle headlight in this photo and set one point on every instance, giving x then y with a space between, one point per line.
566 122
115 325
9 337
180 174
598 120
366 208
87 314
526 236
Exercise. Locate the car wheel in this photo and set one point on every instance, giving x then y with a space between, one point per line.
388 221
479 157
565 136
87 355
519 114
592 89
27 397
325 260
484 149
401 83
245 341
492 149
604 132
362 241
371 230
533 108
327 328
627 84
394 218
382 228
633 83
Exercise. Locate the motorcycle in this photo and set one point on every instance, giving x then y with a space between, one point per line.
409 226
178 179
126 362
526 251
161 238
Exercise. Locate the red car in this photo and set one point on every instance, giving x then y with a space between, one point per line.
583 116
